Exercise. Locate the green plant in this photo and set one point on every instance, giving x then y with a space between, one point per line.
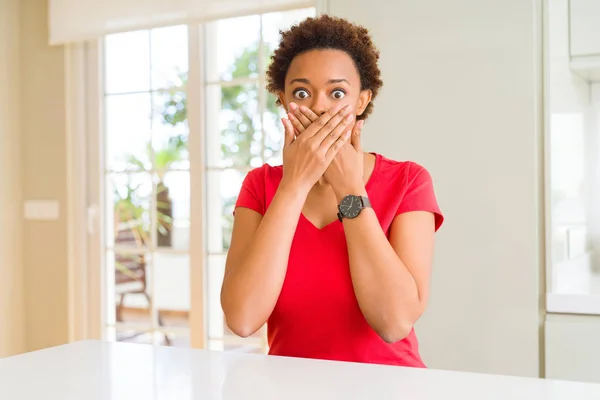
163 159
129 212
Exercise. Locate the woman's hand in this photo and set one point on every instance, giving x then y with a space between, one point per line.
345 173
307 156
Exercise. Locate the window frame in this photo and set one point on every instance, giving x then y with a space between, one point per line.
84 77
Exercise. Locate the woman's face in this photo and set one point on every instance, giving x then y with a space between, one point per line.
324 79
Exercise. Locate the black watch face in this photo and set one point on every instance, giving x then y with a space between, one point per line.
350 206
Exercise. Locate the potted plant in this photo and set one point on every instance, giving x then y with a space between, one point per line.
164 157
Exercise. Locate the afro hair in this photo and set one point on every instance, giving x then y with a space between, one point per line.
327 33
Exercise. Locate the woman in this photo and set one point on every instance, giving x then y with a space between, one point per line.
334 248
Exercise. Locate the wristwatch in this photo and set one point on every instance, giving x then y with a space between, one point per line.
351 206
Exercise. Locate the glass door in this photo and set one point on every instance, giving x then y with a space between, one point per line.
149 189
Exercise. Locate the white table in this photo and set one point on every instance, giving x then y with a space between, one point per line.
93 370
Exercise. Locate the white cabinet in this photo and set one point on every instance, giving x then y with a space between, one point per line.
584 21
573 347
584 42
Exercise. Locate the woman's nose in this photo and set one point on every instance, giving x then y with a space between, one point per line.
320 104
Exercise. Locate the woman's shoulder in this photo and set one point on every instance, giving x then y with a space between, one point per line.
264 176
266 171
259 186
411 184
390 170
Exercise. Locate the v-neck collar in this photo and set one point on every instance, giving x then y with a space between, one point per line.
368 185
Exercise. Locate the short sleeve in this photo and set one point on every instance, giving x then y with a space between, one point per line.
252 193
420 195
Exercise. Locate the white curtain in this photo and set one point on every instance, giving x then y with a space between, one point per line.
78 20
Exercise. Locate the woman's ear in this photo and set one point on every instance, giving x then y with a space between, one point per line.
281 97
363 101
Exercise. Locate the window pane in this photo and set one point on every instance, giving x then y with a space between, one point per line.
169 49
272 23
216 345
133 336
222 190
172 285
273 130
221 345
173 210
231 54
173 339
132 289
214 271
170 131
129 218
568 172
127 62
235 139
154 338
128 131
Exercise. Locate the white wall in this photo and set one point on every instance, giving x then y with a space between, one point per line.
462 97
11 282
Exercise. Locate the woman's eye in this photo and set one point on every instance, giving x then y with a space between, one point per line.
301 94
338 94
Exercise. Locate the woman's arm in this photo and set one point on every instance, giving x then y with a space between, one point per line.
260 247
257 261
391 278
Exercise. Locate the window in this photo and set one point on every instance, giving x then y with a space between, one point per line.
243 131
573 177
147 187
147 222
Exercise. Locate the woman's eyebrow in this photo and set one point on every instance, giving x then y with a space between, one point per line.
339 80
306 81
300 80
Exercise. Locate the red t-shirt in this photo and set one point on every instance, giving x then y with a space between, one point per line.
317 314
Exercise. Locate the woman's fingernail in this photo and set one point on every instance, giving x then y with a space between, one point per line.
303 109
293 106
291 116
360 124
